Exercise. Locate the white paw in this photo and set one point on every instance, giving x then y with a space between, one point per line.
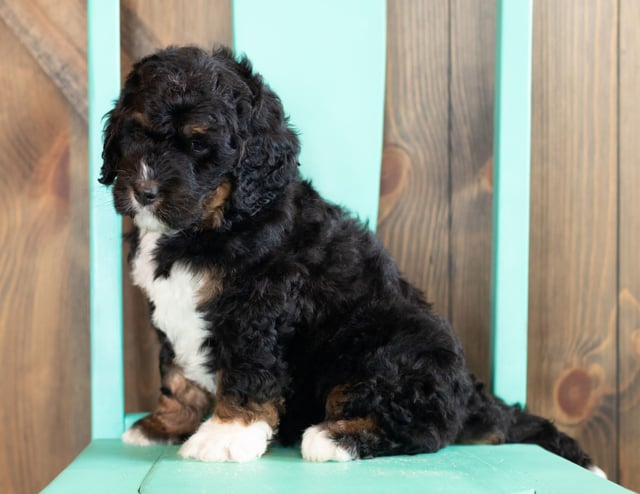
227 441
134 435
598 471
318 446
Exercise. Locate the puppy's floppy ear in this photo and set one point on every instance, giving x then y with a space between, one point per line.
110 152
270 155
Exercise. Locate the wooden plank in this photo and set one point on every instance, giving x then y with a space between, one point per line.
52 37
146 26
473 27
413 221
629 232
572 316
44 309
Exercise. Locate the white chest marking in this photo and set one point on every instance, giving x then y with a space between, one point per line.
176 313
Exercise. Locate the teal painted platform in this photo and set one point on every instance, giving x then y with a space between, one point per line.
358 29
108 466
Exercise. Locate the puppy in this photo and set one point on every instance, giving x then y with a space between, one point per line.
277 312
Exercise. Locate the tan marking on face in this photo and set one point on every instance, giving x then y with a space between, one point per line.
141 118
211 286
191 130
177 414
214 208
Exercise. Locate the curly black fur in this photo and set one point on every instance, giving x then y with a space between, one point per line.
311 300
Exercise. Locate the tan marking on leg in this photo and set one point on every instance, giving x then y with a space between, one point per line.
350 427
335 401
228 409
179 412
491 437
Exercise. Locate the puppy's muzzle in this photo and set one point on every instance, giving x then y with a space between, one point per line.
145 192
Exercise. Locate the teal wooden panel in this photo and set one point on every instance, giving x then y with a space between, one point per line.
457 469
132 418
107 380
510 276
106 466
326 60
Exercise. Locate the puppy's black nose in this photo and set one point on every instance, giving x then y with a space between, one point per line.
145 192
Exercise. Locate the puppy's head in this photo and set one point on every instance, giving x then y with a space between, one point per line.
196 140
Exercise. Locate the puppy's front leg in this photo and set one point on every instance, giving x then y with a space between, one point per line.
251 377
180 409
240 430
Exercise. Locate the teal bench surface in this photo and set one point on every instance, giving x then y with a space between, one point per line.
108 466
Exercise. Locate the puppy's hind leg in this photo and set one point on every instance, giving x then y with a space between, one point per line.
339 440
408 393
343 437
369 420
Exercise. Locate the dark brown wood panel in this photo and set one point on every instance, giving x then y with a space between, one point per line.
473 32
44 337
414 216
146 27
573 303
629 284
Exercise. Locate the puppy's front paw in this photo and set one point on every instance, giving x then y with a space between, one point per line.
138 436
228 441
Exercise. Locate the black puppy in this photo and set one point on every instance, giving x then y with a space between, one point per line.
275 309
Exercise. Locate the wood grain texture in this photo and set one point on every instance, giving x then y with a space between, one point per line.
473 32
146 26
414 216
53 37
44 308
573 303
629 239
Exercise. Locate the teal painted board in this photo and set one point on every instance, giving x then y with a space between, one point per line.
132 418
510 269
326 60
456 469
107 378
106 466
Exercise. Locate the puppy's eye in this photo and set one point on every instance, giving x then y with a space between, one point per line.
198 146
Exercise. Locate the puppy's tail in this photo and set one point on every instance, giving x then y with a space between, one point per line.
528 428
491 421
